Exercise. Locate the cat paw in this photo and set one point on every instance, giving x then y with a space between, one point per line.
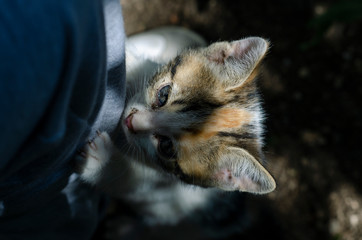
94 156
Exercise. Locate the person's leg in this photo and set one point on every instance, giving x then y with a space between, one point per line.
53 70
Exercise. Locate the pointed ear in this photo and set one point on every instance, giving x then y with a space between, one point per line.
238 170
235 61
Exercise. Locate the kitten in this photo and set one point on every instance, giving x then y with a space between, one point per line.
197 121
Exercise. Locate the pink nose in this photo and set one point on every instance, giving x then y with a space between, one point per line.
140 121
128 122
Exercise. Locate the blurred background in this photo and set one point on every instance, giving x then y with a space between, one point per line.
311 84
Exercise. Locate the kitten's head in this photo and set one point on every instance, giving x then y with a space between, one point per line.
199 117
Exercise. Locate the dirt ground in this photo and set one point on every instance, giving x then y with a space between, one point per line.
312 96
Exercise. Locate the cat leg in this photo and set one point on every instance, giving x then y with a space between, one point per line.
94 157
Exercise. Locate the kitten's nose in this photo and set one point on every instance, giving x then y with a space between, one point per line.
139 121
128 122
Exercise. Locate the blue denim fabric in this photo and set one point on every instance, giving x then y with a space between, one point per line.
61 65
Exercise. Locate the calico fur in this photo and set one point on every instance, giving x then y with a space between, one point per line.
197 121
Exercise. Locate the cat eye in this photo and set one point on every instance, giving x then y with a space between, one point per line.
165 147
162 95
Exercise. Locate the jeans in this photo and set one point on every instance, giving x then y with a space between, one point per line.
62 76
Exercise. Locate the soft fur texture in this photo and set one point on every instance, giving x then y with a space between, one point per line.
198 121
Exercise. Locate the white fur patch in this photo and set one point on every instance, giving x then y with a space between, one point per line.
97 153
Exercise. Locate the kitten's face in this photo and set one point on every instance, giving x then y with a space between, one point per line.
199 118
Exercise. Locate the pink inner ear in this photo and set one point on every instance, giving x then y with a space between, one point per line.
230 182
237 50
240 48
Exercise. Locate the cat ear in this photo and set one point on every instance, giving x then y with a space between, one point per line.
238 170
235 61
